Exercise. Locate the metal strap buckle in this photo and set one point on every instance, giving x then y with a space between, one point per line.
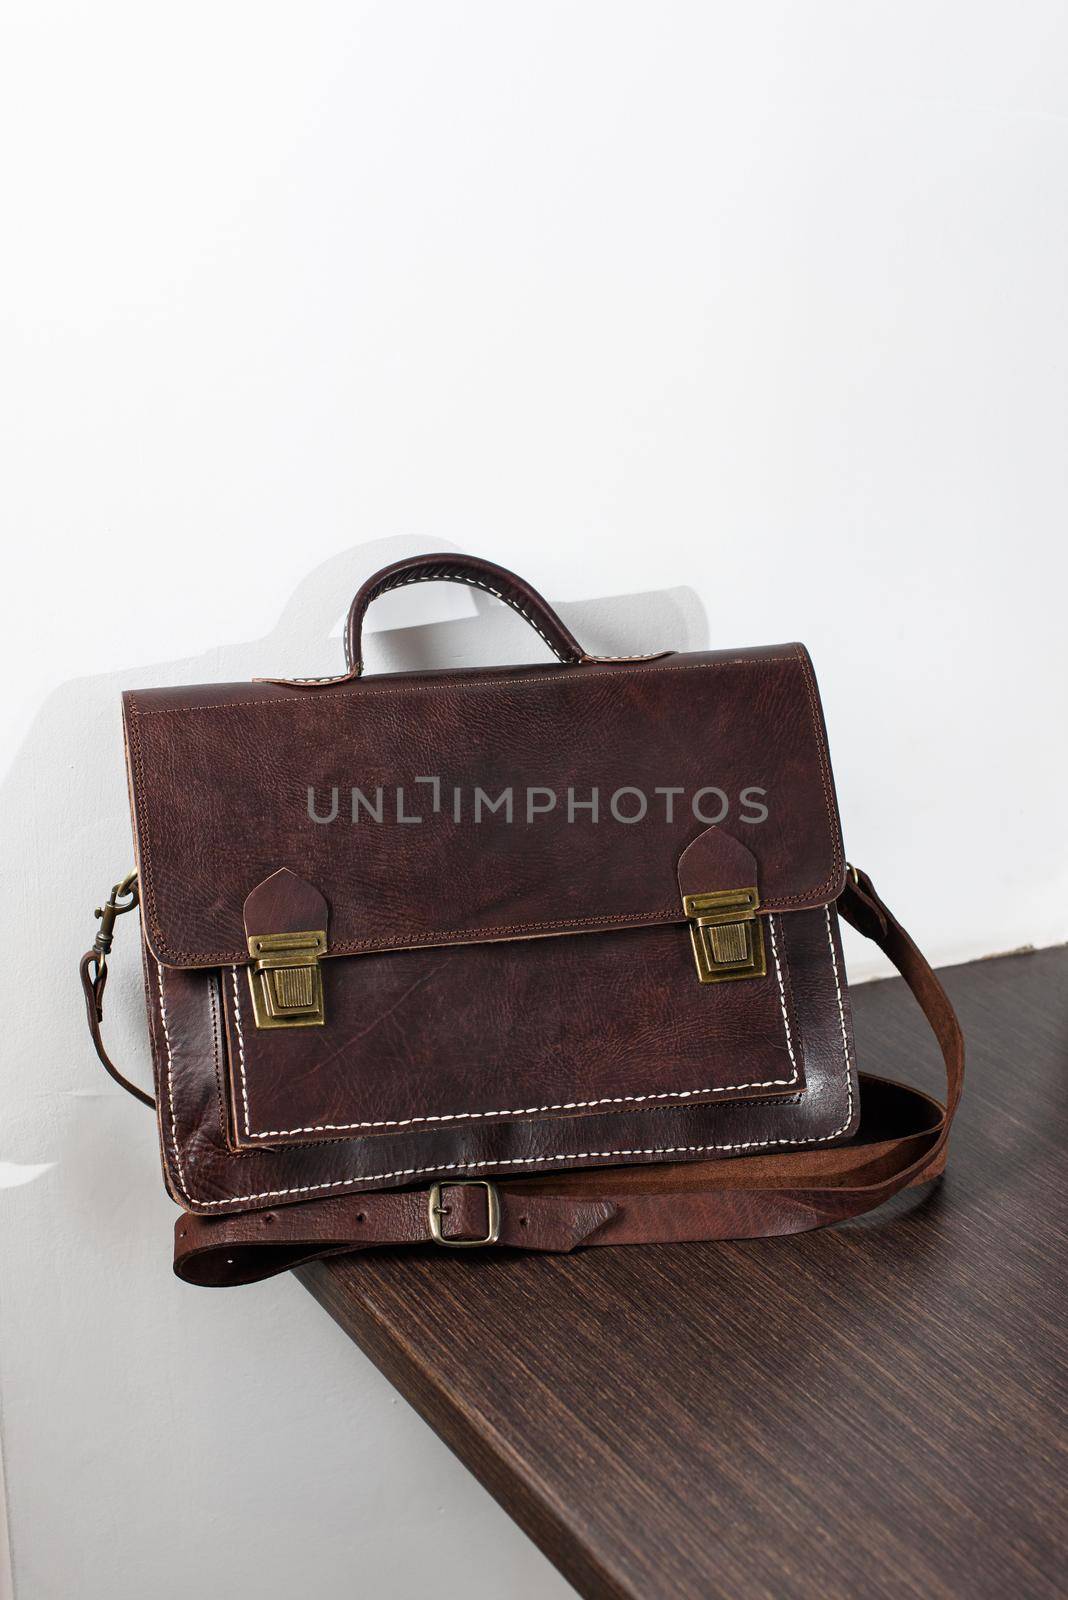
113 908
435 1212
123 898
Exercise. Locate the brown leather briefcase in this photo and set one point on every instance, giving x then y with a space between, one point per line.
539 956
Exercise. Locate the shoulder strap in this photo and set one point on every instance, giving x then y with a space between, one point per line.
901 1141
93 972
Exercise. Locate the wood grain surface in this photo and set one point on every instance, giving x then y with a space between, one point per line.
872 1410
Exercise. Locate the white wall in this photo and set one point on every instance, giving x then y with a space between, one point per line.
723 324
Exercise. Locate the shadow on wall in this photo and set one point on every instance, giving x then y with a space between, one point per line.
67 833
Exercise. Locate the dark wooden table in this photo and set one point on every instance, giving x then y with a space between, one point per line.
872 1410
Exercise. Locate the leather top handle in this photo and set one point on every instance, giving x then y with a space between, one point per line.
437 568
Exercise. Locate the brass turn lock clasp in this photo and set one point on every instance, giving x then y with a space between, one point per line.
286 980
726 933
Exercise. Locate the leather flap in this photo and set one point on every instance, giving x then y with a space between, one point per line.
224 779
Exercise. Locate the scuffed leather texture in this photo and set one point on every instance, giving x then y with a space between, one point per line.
285 903
484 1033
716 860
220 778
206 1173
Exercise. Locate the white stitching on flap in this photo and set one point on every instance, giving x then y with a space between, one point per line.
240 1046
841 1018
519 1111
170 1083
515 1161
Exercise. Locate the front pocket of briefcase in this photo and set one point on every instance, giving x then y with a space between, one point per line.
487 1033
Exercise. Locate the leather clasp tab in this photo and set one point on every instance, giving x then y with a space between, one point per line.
286 919
725 931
